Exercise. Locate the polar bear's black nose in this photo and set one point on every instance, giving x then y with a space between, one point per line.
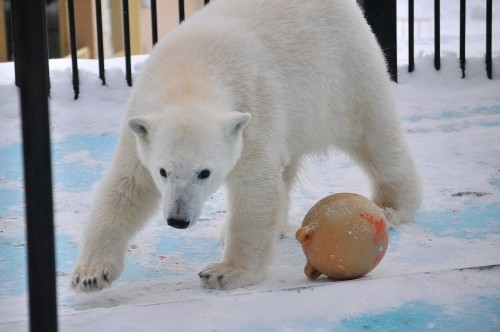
178 223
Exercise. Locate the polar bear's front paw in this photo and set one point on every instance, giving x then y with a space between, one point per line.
94 276
226 276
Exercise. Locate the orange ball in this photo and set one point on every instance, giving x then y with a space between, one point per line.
344 236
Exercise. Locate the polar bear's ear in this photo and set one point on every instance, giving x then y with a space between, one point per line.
236 123
139 127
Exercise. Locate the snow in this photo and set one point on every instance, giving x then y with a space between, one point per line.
440 273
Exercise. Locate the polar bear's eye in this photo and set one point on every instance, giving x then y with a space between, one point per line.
204 174
163 172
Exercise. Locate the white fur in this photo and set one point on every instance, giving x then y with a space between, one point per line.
247 89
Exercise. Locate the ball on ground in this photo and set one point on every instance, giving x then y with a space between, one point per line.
344 236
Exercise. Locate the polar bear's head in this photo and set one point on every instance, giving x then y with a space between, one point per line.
188 156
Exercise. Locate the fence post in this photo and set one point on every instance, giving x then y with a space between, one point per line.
462 36
154 23
126 42
489 27
437 34
182 14
100 42
411 36
74 54
33 75
382 17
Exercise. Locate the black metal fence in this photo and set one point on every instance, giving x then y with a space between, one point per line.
381 15
437 36
32 76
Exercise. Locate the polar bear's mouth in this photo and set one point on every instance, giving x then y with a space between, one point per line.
178 223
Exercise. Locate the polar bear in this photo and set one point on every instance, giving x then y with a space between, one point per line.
241 93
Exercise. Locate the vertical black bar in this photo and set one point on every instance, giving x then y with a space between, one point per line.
489 27
126 42
74 55
411 36
100 43
154 22
33 76
381 15
181 11
462 37
437 34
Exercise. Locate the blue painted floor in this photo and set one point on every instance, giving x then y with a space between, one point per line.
441 273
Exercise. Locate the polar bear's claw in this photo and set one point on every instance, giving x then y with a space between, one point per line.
226 276
90 284
88 279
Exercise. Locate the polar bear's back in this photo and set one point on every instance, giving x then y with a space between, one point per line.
328 59
320 57
300 32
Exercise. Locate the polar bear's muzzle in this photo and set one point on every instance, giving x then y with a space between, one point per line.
179 214
178 223
182 204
